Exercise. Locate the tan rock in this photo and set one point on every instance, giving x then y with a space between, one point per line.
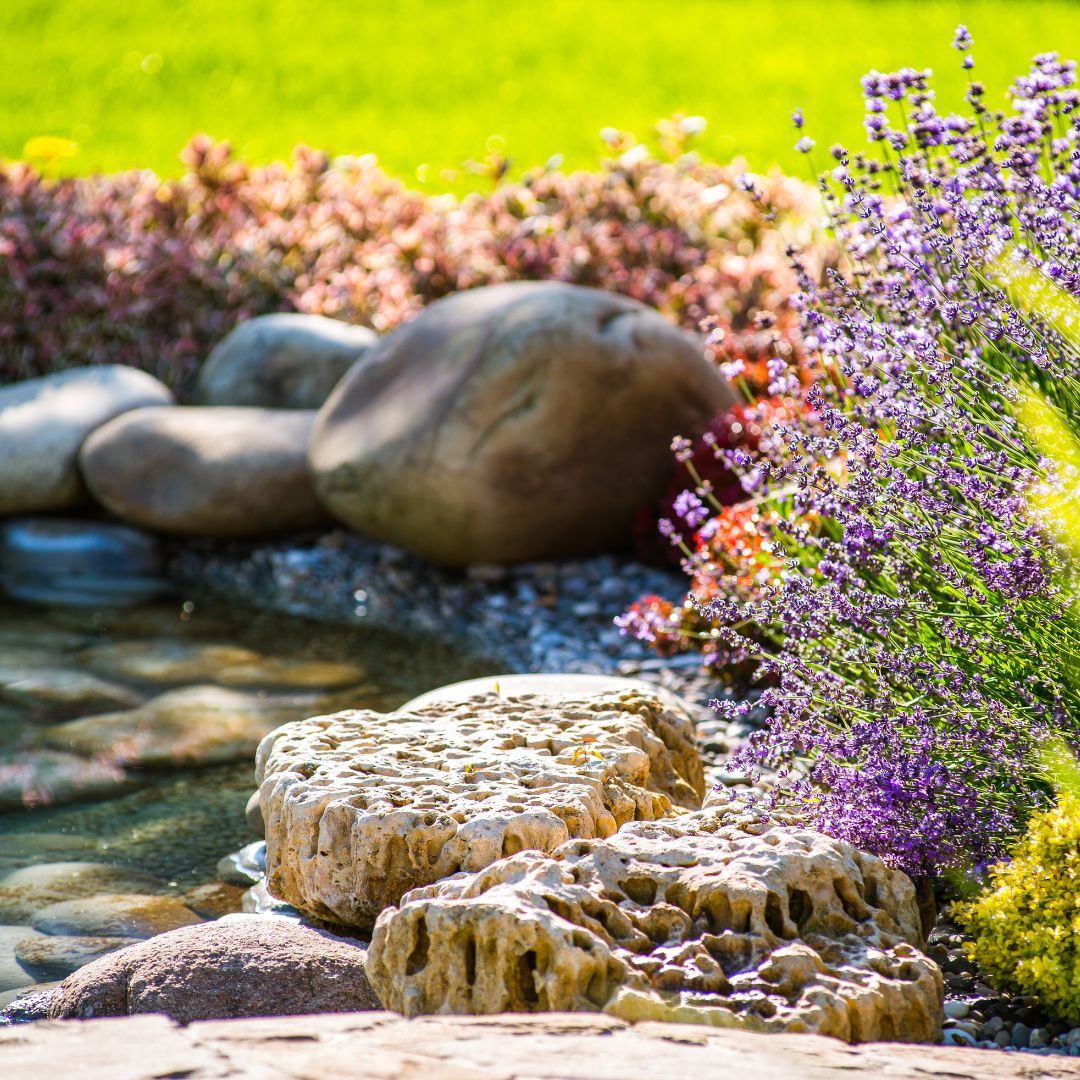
286 361
215 899
253 815
711 918
128 915
57 957
514 422
43 422
25 891
194 726
242 965
166 660
56 693
205 471
361 807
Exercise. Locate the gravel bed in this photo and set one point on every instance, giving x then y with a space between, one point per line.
558 617
554 617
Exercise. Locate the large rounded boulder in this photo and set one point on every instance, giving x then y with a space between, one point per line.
219 472
43 422
287 361
515 422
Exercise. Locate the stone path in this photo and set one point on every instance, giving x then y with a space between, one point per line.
553 1046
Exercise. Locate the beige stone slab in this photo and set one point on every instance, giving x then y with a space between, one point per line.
132 1048
361 806
554 1046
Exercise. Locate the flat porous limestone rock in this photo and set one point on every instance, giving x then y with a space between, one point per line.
711 918
362 806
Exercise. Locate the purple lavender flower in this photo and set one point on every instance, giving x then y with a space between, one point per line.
919 646
691 509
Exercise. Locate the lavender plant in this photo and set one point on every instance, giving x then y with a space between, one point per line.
920 642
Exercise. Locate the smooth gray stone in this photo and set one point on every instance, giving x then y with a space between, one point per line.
44 421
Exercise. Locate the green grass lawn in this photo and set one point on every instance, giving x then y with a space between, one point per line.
427 82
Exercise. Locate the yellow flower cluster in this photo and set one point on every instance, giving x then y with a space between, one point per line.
1026 925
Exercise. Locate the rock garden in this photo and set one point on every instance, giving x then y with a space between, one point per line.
628 613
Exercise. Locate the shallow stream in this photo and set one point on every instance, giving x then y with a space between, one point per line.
127 739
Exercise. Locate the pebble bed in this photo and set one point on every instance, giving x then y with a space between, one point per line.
558 617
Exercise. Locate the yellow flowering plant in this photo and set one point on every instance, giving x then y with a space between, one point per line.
1026 925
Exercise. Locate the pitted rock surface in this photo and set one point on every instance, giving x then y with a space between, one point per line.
362 806
712 918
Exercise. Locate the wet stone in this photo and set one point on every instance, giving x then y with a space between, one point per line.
57 561
27 1003
12 974
196 725
215 899
24 892
244 867
119 915
57 693
56 957
164 661
41 777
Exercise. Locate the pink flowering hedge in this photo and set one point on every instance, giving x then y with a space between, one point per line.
132 269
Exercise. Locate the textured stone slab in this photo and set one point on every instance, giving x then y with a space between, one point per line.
555 1046
549 684
361 806
710 918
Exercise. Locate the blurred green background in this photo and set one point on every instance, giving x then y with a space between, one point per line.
424 84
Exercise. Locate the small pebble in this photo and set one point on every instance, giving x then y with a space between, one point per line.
1021 1036
1003 1039
957 1010
964 1025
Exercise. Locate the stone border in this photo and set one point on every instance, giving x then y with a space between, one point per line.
551 1046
